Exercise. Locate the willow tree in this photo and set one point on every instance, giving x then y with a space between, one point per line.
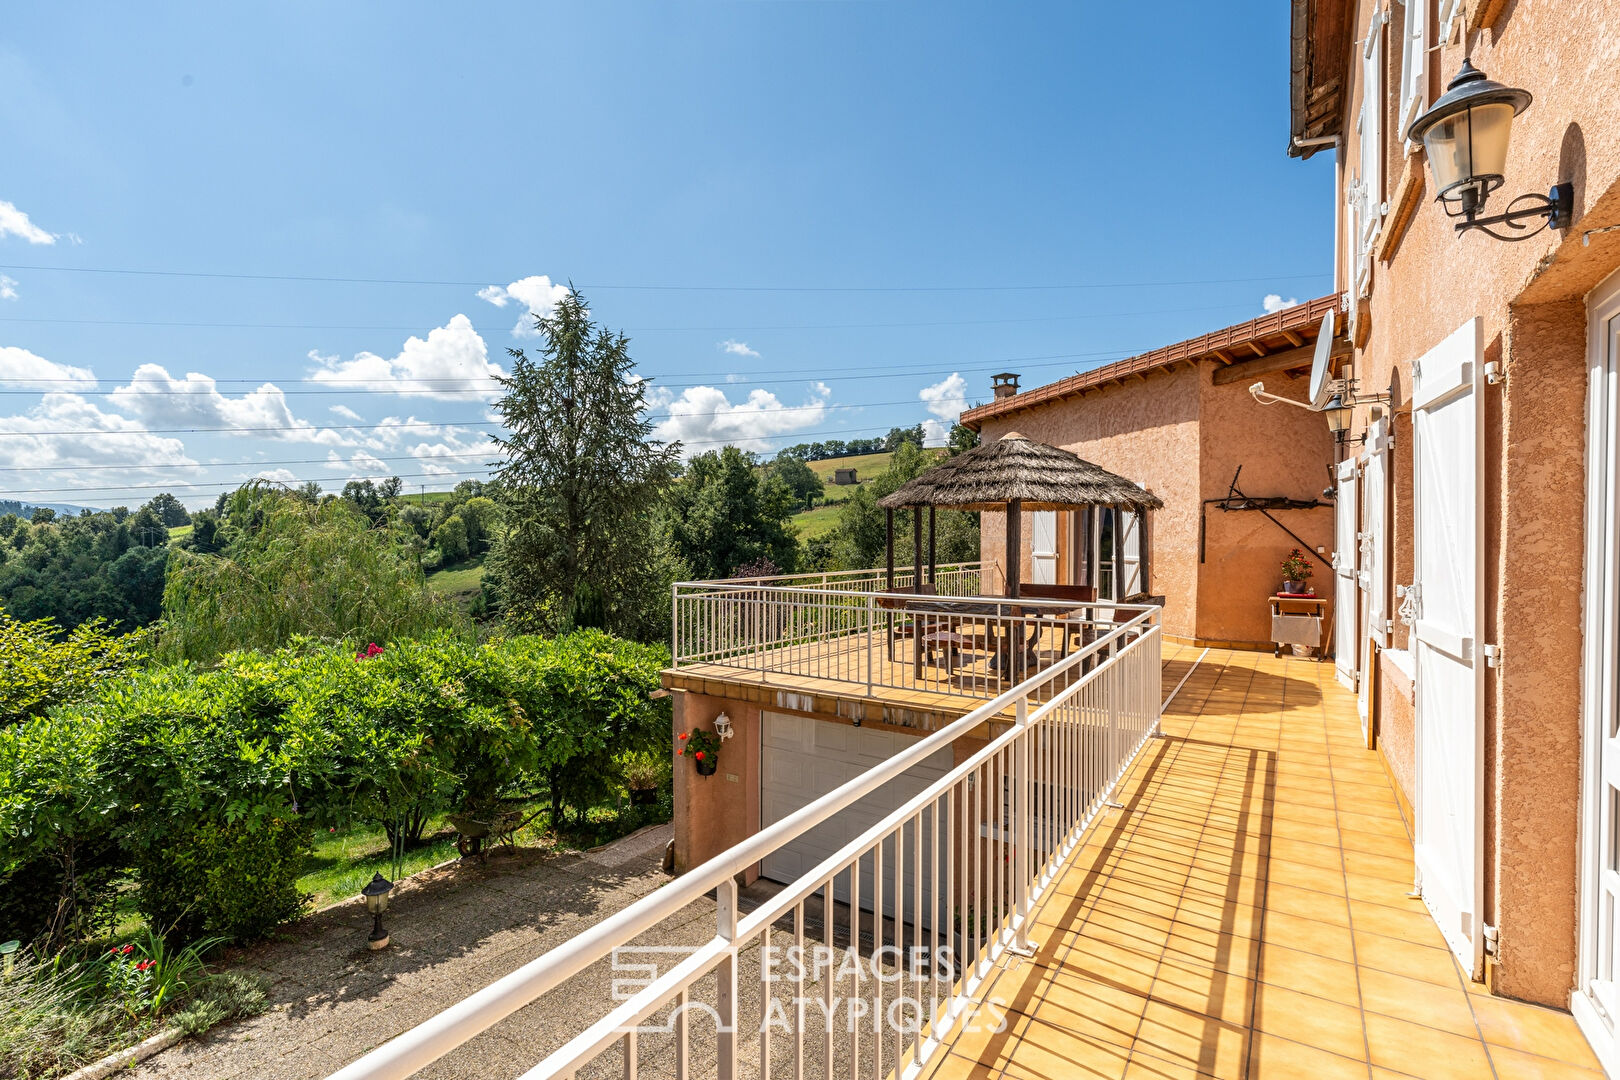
581 485
288 568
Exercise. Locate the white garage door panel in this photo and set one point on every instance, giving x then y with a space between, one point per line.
803 760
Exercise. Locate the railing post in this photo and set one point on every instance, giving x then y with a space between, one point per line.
725 897
1023 837
871 634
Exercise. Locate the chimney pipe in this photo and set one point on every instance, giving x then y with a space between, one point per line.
1005 384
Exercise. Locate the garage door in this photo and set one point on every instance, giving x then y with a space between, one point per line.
803 760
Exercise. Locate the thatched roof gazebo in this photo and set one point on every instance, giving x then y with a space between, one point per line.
1014 473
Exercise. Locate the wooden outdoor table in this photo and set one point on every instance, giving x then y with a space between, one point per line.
1289 625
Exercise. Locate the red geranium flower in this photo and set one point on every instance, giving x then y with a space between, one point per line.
144 964
127 949
698 755
683 736
680 753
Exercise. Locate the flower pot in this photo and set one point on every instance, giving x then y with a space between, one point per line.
707 766
1294 588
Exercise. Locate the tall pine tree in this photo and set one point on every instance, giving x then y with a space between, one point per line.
581 484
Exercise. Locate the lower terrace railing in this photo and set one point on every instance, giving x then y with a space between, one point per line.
867 963
965 644
949 579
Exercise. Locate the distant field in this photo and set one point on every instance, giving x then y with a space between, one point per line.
817 522
822 519
179 532
462 581
866 466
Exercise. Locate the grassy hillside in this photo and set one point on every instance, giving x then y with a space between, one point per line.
461 582
821 520
179 532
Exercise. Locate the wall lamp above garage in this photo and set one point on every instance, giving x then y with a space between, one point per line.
1465 135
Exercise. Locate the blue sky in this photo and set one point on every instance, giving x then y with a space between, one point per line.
815 220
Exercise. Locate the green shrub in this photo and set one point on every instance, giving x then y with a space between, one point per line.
58 858
232 879
226 996
40 666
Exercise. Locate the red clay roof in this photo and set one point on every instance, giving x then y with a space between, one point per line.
1246 340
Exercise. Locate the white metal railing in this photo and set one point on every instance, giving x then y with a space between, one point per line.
952 579
950 877
962 644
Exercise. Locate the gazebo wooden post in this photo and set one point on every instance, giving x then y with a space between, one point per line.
916 550
933 548
888 529
1015 544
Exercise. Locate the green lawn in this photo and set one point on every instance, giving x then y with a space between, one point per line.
463 580
179 532
817 522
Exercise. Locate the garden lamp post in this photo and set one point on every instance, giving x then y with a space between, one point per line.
376 894
1465 137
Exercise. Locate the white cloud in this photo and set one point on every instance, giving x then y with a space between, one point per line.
118 441
452 364
704 419
737 348
536 294
946 399
8 288
347 413
280 476
26 370
361 466
158 398
1273 302
13 222
935 432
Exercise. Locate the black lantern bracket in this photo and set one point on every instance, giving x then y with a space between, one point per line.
1556 209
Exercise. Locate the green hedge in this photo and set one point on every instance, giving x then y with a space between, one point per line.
205 785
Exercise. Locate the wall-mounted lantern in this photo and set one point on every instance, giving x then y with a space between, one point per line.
1339 413
722 727
1465 135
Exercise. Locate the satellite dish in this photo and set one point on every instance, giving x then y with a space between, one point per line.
1321 375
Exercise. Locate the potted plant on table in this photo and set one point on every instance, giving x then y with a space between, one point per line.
703 747
1296 573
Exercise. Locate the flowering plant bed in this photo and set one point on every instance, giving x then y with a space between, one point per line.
703 747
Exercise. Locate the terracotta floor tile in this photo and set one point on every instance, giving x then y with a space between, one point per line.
1515 1065
1202 1042
1547 1032
1398 870
1308 904
1272 1058
1309 935
1326 1025
1301 876
1420 1002
1416 927
1213 993
1309 974
1403 958
1143 1067
1045 1050
1424 1051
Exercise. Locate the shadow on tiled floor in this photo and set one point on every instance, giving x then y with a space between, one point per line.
1246 915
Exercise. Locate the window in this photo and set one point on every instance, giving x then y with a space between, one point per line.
1414 63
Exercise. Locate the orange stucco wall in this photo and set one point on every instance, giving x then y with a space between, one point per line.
1145 431
1183 437
1530 298
714 812
1283 451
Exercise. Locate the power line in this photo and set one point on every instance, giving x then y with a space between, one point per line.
733 378
334 280
720 329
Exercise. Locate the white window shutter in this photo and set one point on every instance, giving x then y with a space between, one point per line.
1369 127
1414 63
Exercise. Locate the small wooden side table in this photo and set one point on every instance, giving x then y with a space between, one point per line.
1298 620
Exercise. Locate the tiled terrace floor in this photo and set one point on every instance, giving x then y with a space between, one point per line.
1246 915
